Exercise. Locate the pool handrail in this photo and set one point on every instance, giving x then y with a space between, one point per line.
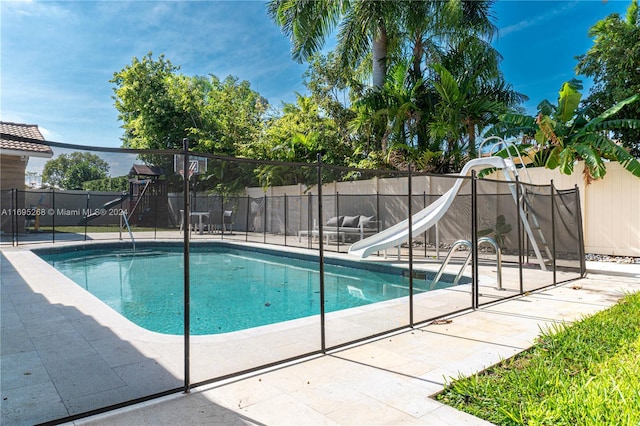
453 248
467 243
123 216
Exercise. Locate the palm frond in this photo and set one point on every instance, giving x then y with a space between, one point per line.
447 87
592 161
625 123
568 102
567 158
612 111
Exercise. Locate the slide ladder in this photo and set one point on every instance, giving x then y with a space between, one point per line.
539 240
529 220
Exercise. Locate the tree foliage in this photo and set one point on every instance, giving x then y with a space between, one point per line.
614 64
159 107
297 135
150 117
565 133
109 184
437 87
71 171
366 33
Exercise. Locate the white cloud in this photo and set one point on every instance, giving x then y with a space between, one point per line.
48 134
538 19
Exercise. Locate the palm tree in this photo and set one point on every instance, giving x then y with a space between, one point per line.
565 133
613 62
432 27
365 28
472 94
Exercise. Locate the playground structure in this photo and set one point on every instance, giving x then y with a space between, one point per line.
420 222
147 197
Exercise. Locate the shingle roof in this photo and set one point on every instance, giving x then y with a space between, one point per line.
17 137
143 170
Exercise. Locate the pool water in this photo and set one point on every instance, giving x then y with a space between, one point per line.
231 288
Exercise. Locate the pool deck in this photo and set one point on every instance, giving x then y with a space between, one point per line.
389 380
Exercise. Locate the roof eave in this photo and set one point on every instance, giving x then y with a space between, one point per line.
20 153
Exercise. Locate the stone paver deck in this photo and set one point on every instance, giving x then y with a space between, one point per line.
389 380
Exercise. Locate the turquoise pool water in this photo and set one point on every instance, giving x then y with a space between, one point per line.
231 288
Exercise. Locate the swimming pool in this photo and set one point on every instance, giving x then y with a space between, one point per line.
232 287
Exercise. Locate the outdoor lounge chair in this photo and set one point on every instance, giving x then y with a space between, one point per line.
344 228
220 221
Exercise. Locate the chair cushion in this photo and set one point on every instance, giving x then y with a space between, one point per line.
365 221
351 221
335 221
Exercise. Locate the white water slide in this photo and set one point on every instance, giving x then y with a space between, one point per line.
426 218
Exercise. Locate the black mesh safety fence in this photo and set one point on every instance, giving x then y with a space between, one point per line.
78 311
568 237
158 283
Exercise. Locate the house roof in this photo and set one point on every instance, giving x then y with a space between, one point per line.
143 170
19 139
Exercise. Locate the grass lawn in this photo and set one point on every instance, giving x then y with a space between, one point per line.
586 373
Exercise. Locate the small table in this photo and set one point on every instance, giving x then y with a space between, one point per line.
200 215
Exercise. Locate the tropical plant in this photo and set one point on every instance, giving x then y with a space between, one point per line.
614 63
391 121
366 29
434 30
298 134
569 134
498 232
394 108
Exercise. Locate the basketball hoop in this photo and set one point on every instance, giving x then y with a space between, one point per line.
189 173
196 165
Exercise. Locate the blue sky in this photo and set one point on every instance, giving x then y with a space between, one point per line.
58 57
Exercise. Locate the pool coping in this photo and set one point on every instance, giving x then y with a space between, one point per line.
303 254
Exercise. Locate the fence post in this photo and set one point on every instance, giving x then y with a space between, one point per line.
520 242
379 221
86 222
323 344
553 230
14 217
581 250
264 222
222 216
286 213
424 206
410 229
246 228
155 212
474 241
187 278
53 216
338 215
309 219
